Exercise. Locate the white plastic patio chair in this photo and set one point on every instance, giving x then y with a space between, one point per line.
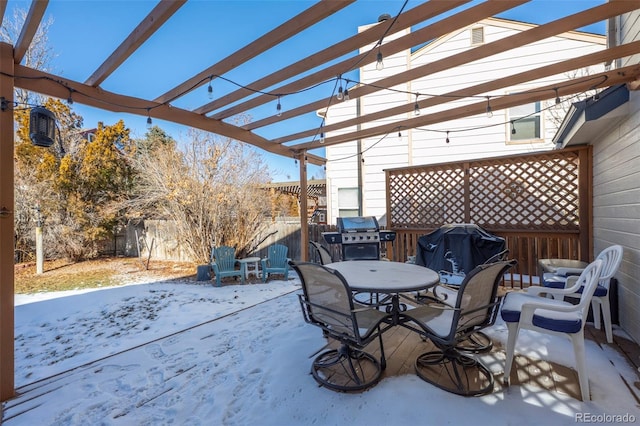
612 258
525 310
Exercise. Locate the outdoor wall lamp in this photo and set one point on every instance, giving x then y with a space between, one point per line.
42 127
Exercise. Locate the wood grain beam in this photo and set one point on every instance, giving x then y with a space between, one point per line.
7 230
59 87
512 80
538 33
437 29
3 8
414 16
295 25
600 80
145 29
32 21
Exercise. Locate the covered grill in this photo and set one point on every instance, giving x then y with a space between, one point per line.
455 249
360 237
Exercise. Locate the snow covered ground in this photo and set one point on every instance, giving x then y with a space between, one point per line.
184 353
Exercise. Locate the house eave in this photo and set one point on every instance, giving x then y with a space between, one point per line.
589 118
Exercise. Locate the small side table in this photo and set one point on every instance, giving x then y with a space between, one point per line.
552 265
250 266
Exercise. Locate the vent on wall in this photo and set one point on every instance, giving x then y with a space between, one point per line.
477 35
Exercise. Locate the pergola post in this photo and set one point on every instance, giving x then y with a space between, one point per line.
304 220
7 232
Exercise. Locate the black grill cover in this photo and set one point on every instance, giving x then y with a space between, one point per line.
457 248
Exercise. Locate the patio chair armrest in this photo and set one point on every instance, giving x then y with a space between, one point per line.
571 287
528 309
566 272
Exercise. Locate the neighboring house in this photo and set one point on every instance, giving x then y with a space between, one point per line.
612 125
356 184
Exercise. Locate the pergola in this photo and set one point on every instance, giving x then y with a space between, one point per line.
316 67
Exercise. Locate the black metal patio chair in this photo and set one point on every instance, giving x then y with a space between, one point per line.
327 303
447 325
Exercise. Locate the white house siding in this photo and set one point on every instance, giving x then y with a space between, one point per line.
471 138
616 208
616 194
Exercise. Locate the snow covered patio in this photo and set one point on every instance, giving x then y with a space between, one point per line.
179 352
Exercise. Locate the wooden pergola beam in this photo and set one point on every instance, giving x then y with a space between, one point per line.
608 78
7 230
437 29
32 21
414 16
512 80
538 33
3 8
145 29
58 87
295 25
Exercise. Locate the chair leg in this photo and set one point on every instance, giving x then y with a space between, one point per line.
577 339
595 309
513 331
601 304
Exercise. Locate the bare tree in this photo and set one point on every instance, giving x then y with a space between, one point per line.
209 188
39 54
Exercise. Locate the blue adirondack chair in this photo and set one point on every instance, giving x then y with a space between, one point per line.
223 263
276 262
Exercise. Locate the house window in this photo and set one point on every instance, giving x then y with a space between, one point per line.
347 202
477 35
525 123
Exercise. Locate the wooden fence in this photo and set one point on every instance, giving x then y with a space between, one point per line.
540 203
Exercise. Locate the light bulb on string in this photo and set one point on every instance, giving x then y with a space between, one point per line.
149 120
210 89
513 128
379 63
70 98
279 108
489 111
416 107
557 97
447 140
321 137
346 94
340 94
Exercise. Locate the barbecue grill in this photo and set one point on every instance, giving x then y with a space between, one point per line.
455 249
359 236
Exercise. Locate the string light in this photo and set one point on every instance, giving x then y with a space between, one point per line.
447 140
70 98
513 128
346 93
210 89
489 111
416 107
557 97
340 95
279 108
321 137
379 63
149 121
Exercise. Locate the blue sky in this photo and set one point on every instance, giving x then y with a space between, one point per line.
201 33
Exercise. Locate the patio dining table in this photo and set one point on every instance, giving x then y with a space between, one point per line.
390 278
